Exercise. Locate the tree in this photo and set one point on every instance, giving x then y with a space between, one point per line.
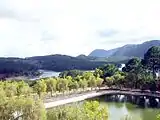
24 108
87 75
109 81
118 79
72 73
23 88
15 105
152 59
109 70
62 85
99 82
92 82
94 112
133 65
83 83
10 89
134 69
40 87
51 85
98 73
74 85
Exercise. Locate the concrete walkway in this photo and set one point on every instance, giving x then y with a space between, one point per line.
83 96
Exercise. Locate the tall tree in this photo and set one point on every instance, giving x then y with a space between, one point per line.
51 85
62 85
40 87
83 83
152 59
133 65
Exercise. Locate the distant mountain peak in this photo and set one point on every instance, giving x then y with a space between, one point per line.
81 55
129 50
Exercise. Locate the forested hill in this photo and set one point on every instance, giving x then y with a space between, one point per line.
29 66
63 62
16 67
133 50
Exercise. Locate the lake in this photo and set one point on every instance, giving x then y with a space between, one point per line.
46 73
117 111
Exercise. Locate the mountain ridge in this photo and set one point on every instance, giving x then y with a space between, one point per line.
129 50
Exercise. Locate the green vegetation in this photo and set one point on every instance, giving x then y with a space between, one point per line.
19 99
72 73
11 67
137 74
86 111
16 67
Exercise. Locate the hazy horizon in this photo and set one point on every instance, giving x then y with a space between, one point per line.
69 27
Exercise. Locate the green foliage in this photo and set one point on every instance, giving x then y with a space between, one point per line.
72 73
23 88
16 104
62 85
21 107
16 67
51 84
99 82
152 58
109 70
98 73
87 111
83 83
40 87
64 62
158 117
133 65
138 72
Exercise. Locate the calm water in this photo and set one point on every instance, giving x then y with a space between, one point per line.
117 111
46 73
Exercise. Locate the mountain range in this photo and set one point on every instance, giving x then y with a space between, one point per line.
29 66
127 51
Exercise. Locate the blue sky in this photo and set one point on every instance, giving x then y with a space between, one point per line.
73 27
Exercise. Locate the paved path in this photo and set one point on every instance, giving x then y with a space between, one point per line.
83 96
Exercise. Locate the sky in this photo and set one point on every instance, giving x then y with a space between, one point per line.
73 27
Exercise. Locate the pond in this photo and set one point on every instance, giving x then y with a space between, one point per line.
117 111
46 73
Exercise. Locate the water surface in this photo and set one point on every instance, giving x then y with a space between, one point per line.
117 111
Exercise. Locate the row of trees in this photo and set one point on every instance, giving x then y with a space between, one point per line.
68 83
19 99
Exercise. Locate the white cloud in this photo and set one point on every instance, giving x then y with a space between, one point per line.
39 27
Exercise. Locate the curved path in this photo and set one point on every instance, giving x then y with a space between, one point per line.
83 96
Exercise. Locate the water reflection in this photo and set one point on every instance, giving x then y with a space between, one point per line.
117 111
